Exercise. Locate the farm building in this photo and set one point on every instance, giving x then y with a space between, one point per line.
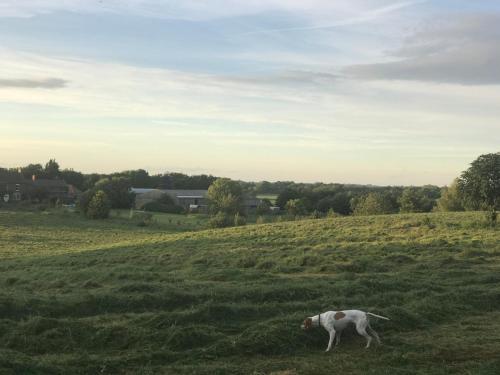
189 199
184 198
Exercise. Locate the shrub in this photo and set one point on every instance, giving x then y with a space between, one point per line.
99 206
264 207
372 204
239 220
158 206
220 220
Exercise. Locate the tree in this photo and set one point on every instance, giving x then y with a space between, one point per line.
296 207
225 196
264 207
416 200
371 204
74 178
450 198
480 185
118 191
33 170
52 169
99 206
220 220
339 203
286 195
164 204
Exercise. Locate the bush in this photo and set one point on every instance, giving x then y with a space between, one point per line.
239 220
264 207
372 204
99 206
220 220
158 206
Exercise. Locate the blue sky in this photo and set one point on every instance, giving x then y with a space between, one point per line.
360 91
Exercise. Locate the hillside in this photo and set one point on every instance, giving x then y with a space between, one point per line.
86 297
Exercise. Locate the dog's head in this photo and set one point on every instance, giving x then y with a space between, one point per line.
307 324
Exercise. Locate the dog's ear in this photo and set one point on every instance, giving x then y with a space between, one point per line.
308 323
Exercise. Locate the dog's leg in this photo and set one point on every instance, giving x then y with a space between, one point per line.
337 338
374 334
332 335
361 328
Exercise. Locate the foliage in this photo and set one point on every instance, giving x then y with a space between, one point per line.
480 184
99 206
372 204
264 207
239 220
220 220
287 195
33 170
74 178
296 207
415 200
164 204
52 169
118 191
340 203
450 198
225 196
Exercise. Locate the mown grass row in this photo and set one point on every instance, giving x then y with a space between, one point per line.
134 300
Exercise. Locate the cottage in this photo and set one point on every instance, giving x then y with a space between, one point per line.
14 187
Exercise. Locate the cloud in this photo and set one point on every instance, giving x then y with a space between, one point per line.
366 16
194 9
465 51
47 83
298 79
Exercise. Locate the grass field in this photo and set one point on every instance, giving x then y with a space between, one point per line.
109 297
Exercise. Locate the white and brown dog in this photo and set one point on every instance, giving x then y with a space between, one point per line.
335 322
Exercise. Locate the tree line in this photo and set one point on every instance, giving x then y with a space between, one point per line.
477 188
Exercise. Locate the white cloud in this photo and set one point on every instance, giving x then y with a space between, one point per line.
463 51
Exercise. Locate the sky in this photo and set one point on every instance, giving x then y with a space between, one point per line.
385 92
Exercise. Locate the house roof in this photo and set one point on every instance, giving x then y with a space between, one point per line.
178 193
49 183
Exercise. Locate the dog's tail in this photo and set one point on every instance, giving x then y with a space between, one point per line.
377 316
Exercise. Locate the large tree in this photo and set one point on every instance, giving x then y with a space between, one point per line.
117 190
480 184
225 196
52 169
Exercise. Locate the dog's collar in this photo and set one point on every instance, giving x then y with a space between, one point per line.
319 320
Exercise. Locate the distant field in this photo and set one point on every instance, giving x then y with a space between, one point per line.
271 197
109 297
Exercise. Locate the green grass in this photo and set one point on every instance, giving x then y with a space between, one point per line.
108 297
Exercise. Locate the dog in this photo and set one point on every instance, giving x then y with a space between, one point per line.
335 322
